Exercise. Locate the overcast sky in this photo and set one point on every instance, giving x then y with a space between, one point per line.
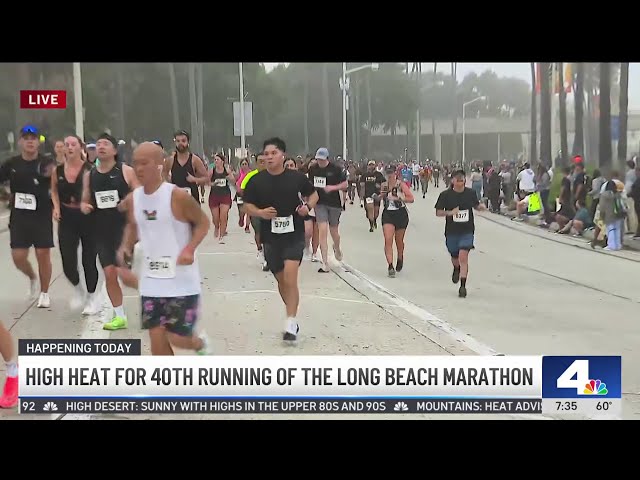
523 71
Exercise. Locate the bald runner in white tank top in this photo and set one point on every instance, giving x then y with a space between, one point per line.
162 239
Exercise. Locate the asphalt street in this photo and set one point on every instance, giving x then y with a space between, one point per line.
529 293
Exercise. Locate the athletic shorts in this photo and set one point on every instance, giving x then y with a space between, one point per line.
455 243
276 253
32 231
107 244
328 214
397 218
176 314
217 200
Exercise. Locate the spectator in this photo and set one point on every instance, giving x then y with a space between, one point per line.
476 183
594 193
629 179
566 211
612 211
634 194
580 222
526 181
579 189
543 181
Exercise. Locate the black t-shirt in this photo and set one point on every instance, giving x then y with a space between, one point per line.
463 222
372 182
281 192
321 177
29 183
580 180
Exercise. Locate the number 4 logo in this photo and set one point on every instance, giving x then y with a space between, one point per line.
578 369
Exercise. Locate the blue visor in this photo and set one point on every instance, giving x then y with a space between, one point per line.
28 130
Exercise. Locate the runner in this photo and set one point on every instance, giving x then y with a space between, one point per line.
31 223
273 195
416 168
373 181
9 397
328 180
170 282
351 178
104 189
255 221
243 221
219 195
395 217
457 204
183 164
59 151
74 227
424 180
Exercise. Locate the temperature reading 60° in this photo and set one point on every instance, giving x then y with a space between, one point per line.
603 405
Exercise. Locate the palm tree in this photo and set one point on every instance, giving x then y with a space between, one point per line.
454 106
174 96
533 147
605 115
433 120
624 105
578 108
545 114
563 115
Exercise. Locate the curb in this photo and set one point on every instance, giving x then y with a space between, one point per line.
534 221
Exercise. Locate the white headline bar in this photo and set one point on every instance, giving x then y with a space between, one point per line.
248 376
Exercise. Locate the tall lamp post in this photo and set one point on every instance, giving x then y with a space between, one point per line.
344 86
464 106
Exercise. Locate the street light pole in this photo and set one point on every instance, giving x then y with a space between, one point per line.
344 112
242 134
77 97
464 107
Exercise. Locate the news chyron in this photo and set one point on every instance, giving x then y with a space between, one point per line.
68 377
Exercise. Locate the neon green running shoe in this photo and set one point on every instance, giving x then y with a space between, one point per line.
117 323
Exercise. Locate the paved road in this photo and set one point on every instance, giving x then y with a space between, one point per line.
529 293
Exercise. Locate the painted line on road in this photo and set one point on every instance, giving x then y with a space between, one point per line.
226 253
275 292
419 312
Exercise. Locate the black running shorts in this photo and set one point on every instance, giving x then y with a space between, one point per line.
107 244
397 218
31 231
276 253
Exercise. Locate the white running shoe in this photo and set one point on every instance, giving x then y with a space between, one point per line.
260 257
44 301
78 297
34 288
206 345
92 305
314 258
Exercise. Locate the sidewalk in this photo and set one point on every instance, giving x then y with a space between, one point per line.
534 220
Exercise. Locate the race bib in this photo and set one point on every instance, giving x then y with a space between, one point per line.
369 200
25 201
220 182
239 200
280 225
319 182
107 199
461 217
161 267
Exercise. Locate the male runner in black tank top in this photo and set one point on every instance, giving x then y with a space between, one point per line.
104 189
184 163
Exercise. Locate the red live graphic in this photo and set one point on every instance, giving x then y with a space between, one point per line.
43 99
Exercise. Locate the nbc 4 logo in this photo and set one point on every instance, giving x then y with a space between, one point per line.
50 407
400 407
582 383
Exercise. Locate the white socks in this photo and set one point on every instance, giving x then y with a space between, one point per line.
12 369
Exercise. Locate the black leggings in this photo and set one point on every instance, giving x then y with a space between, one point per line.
75 227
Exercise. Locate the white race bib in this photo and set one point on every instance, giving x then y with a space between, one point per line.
461 217
220 182
239 200
369 200
280 225
107 199
319 182
25 201
161 267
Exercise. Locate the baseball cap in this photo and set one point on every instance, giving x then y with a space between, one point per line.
371 162
322 154
91 145
29 130
106 136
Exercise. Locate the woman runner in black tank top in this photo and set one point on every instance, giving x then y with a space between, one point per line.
179 175
220 196
75 227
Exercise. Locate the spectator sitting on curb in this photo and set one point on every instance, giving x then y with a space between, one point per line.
580 222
